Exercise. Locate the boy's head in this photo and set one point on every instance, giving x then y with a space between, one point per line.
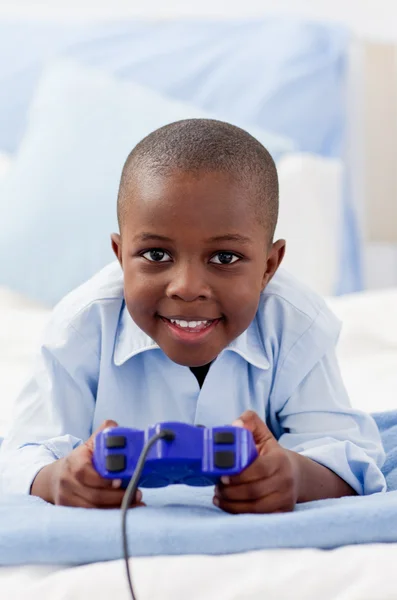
197 210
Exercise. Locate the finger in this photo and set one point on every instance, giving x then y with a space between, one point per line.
83 471
105 425
137 505
86 482
91 479
77 500
73 499
273 503
107 498
101 501
260 431
263 467
247 492
87 476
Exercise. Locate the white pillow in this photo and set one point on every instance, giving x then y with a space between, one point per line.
311 218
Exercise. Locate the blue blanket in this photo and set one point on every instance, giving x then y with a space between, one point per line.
181 520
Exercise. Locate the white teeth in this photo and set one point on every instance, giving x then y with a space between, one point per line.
189 324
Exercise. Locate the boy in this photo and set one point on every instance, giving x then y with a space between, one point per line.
194 324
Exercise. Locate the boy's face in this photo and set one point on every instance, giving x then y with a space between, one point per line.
195 259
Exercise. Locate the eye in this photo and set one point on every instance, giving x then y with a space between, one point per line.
156 255
224 258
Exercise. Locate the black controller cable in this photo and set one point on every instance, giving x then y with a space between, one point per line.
165 434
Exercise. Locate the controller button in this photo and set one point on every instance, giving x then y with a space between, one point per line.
224 460
115 441
224 437
115 463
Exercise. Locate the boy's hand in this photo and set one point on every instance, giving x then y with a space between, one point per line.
269 484
73 481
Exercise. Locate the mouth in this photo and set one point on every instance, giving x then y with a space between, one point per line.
192 329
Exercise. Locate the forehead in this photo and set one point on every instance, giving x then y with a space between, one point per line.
203 200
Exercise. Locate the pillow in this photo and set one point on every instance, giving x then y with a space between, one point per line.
281 74
30 42
311 219
58 202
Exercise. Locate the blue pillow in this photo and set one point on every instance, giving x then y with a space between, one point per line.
283 75
58 202
25 45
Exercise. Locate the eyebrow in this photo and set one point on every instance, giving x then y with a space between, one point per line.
148 237
229 237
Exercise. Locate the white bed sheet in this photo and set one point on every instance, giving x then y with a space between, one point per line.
368 354
348 573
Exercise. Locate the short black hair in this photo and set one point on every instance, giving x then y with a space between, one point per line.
195 145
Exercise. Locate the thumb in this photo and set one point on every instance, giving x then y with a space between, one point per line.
105 425
260 431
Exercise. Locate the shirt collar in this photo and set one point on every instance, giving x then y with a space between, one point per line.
131 340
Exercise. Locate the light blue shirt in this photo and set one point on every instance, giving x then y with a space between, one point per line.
96 364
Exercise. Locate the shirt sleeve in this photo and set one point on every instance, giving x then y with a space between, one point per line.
53 414
318 421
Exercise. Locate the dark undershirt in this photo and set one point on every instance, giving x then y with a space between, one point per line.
200 373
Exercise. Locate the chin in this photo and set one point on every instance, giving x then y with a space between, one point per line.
189 360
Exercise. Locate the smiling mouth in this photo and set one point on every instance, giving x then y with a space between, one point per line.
191 326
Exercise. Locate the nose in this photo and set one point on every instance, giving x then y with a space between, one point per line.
188 283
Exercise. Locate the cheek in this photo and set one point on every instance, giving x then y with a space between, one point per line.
141 293
241 302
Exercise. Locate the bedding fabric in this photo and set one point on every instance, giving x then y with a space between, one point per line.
5 163
21 325
367 347
181 520
281 74
365 572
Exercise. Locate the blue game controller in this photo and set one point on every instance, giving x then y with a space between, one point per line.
196 456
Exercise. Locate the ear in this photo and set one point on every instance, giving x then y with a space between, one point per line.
273 262
116 246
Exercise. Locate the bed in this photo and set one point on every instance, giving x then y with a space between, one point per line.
353 573
368 355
